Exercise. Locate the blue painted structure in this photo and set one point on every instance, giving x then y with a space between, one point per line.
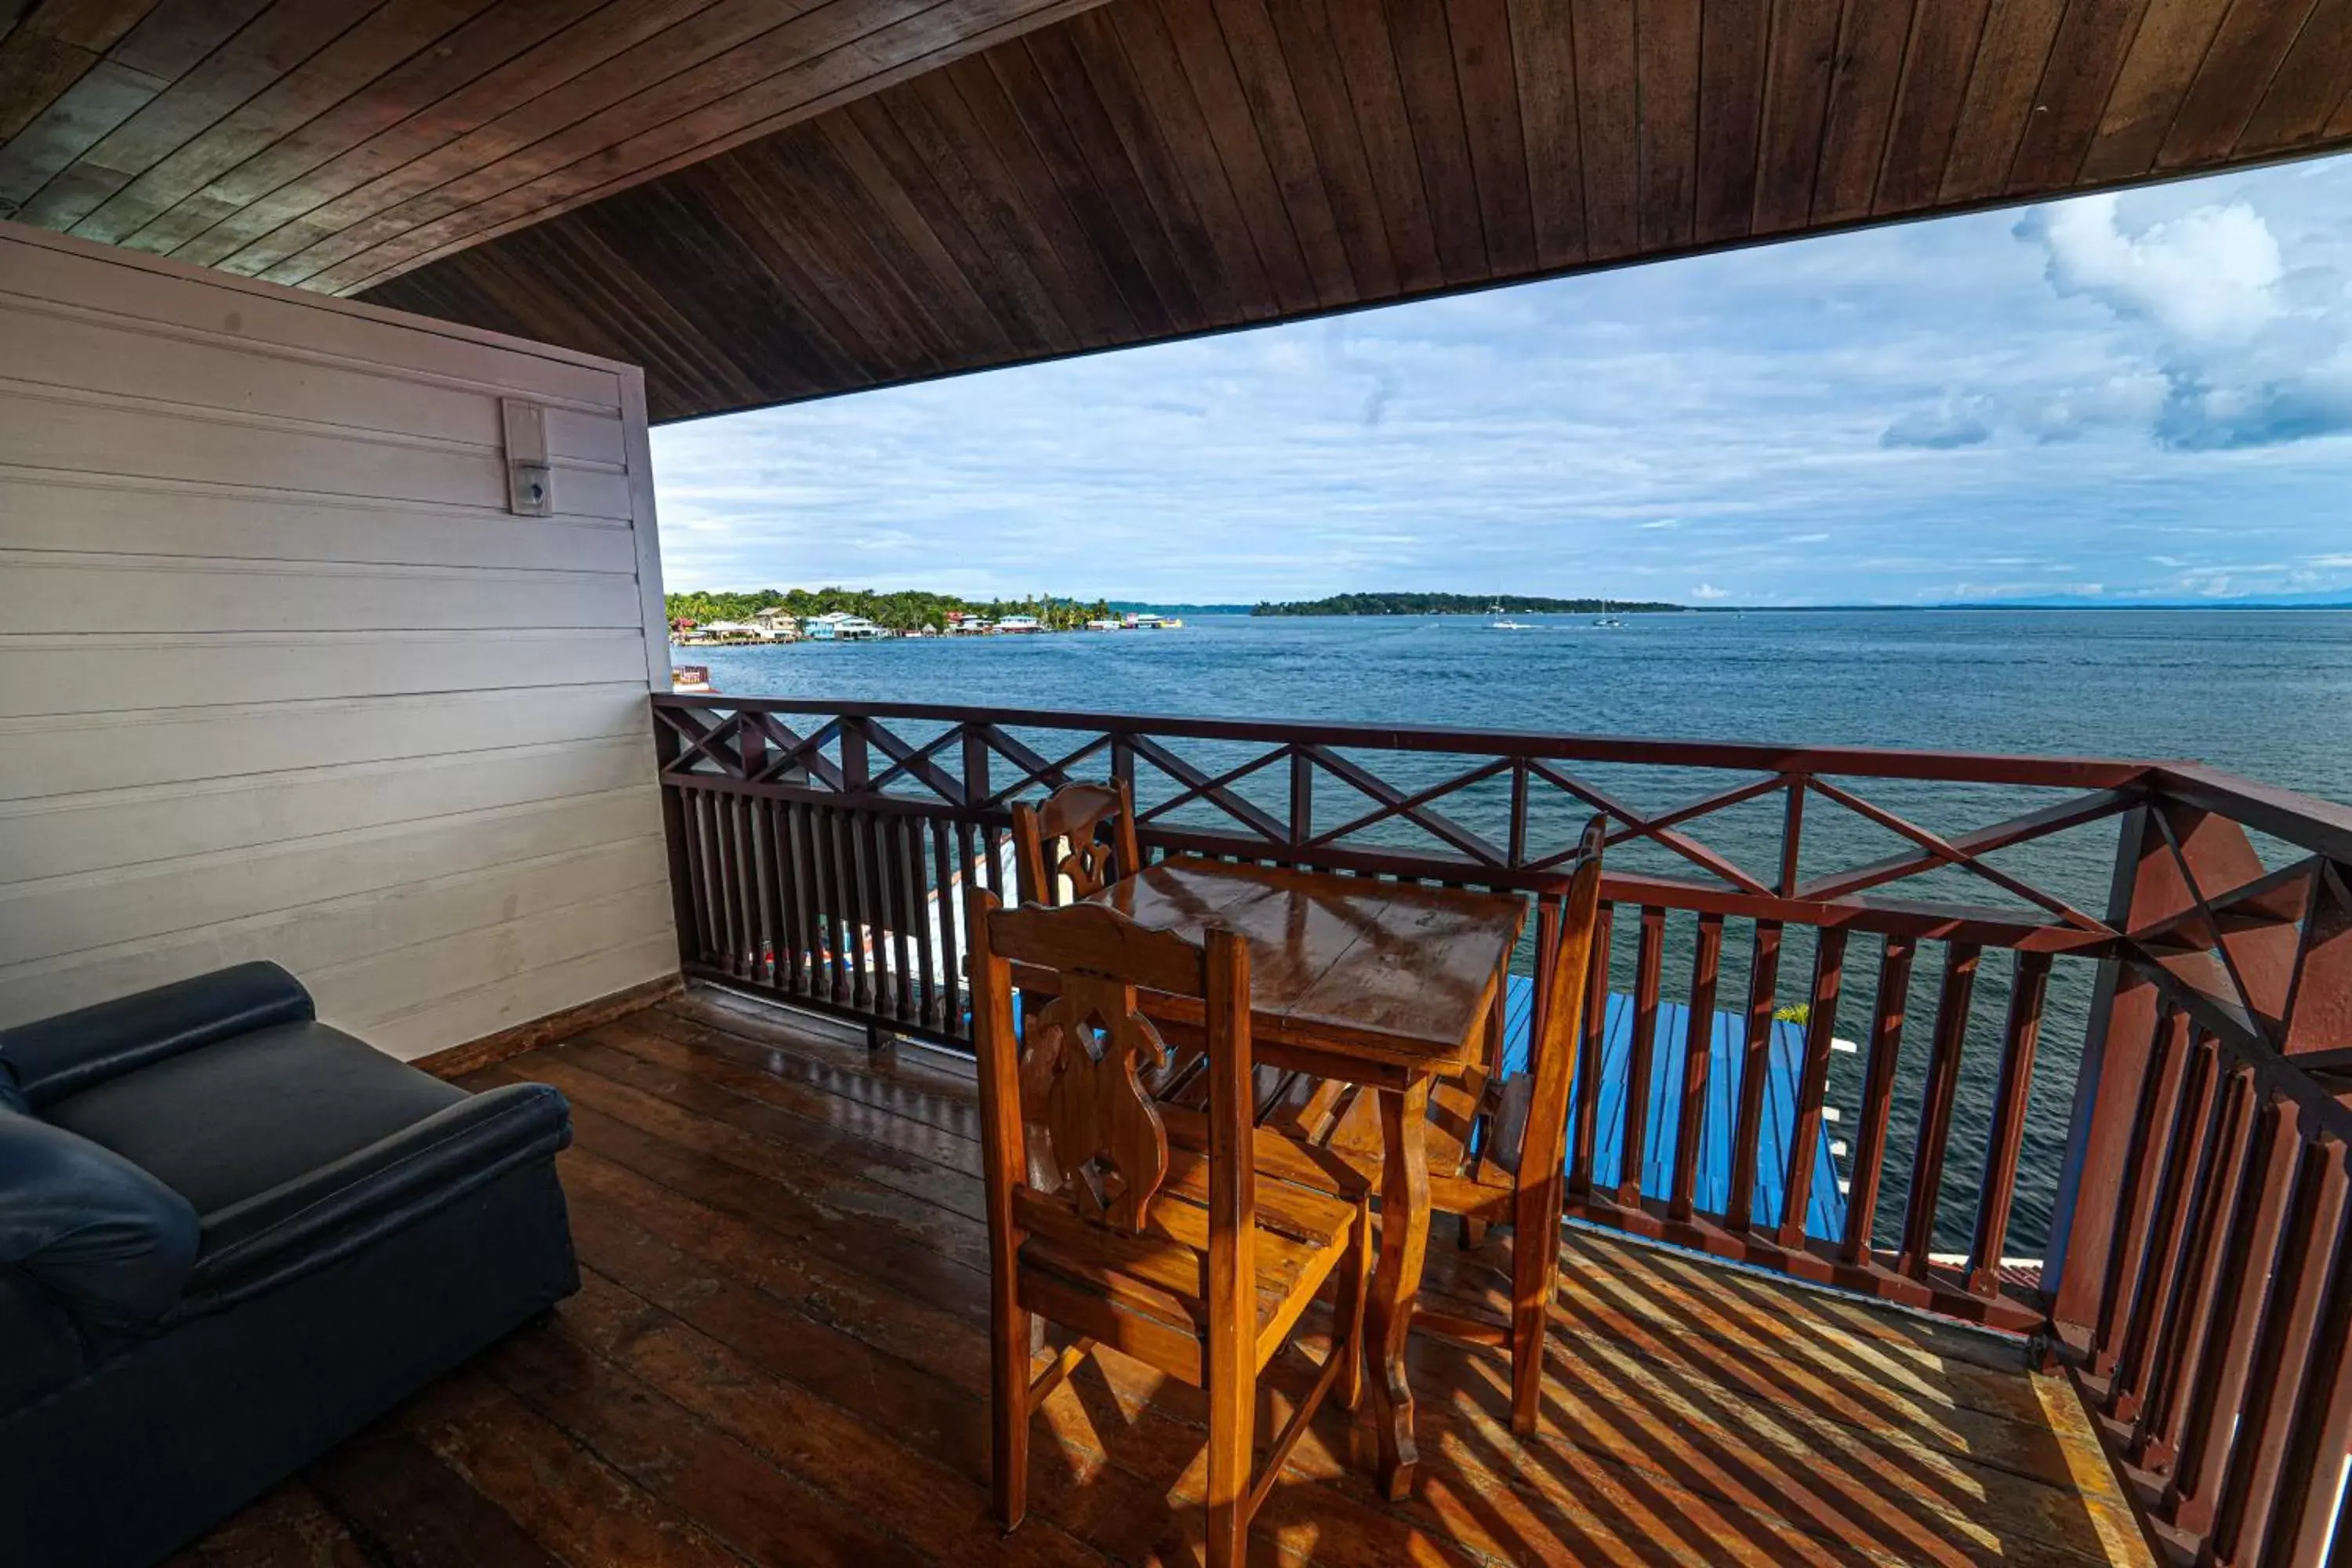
1824 1213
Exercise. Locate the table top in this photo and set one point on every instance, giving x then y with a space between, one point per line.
1402 971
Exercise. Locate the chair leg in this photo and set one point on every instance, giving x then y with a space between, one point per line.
1473 1234
1008 1413
1535 1280
1232 1440
1348 1302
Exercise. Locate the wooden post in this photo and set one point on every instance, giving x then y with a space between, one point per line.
667 746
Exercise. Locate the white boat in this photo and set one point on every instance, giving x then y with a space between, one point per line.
1609 622
1507 623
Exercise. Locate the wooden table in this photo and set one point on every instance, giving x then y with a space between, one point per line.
1385 984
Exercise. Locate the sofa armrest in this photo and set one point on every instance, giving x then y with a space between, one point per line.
57 1057
334 1211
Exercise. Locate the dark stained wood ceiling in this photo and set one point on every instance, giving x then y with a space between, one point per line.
909 189
321 142
1159 167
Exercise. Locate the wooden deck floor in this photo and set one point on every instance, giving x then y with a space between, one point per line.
779 1358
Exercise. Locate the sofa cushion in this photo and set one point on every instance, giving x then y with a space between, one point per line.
242 1116
91 1226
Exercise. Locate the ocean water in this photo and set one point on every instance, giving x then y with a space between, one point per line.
2263 693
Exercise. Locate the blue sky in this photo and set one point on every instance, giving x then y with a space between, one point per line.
2124 398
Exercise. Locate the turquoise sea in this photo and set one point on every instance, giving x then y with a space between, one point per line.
2265 693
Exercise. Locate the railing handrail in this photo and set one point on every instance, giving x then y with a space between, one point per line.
2306 821
2053 772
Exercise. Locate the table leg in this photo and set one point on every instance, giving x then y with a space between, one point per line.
1404 1246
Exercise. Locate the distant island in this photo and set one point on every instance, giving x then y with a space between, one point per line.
898 610
1452 604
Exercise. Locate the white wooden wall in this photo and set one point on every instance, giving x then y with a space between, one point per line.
281 677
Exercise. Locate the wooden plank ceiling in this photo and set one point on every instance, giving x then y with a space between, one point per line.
761 210
324 142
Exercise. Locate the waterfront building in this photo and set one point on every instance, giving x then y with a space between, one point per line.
840 626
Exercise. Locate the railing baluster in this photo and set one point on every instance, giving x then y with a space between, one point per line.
921 911
848 825
767 879
2283 1357
1591 1039
1698 1063
1942 1090
722 953
2196 1134
1755 1064
1648 959
2242 1300
896 866
800 939
2174 1371
949 1009
1812 1083
1998 1190
833 898
2153 1131
697 863
2306 1510
745 887
1889 1011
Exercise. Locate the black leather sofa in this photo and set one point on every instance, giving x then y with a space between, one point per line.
229 1236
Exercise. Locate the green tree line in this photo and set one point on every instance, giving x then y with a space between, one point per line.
1451 605
903 610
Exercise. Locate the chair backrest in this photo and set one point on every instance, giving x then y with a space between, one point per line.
1097 823
1566 987
1064 1109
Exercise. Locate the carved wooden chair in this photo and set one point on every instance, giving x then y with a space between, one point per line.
1190 1262
1081 838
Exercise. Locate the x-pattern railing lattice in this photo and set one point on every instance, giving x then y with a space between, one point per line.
975 765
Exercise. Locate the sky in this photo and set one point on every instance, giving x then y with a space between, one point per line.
2135 398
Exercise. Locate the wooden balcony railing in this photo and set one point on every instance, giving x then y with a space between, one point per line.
2105 1008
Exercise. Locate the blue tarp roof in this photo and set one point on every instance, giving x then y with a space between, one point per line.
1825 1213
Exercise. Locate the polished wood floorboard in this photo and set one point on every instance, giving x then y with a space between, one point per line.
780 1357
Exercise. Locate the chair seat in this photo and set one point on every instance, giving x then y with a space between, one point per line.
1150 1299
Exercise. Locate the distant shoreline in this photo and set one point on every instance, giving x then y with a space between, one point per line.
2242 606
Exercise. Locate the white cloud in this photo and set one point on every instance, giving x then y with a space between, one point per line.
2240 350
1709 591
2210 276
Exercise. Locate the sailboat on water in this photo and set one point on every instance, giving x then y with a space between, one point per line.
1609 622
1506 624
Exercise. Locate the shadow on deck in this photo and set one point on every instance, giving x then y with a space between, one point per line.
780 1357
